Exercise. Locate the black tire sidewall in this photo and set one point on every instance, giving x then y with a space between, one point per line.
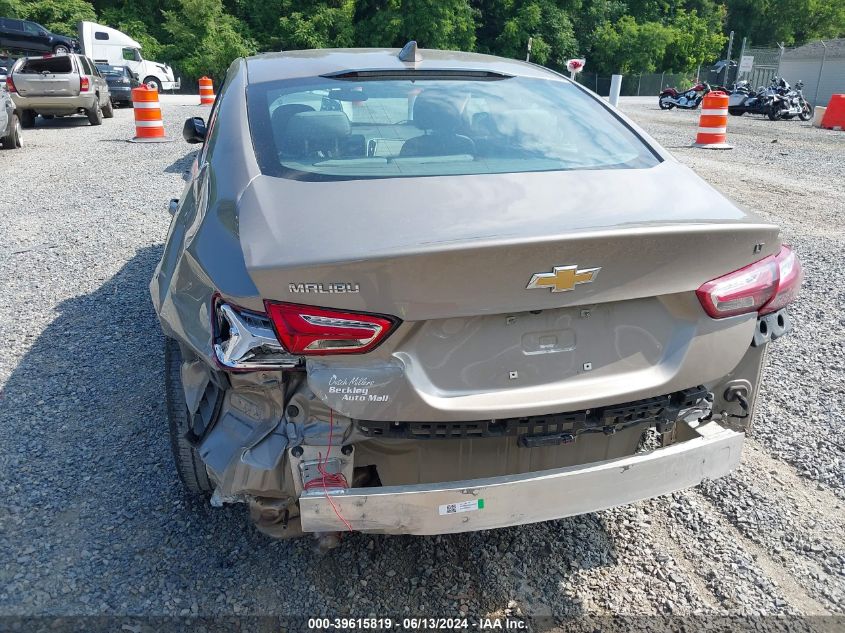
12 139
95 114
807 114
154 81
189 464
27 119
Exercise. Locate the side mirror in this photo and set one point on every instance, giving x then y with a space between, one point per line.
194 130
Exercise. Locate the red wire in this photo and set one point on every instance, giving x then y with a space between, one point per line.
337 480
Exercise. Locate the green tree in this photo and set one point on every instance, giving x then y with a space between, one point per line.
626 46
59 16
323 24
446 24
261 18
767 22
10 8
693 42
549 26
204 38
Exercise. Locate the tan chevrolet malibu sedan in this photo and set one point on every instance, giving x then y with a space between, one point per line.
423 292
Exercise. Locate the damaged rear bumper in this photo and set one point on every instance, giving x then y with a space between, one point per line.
494 502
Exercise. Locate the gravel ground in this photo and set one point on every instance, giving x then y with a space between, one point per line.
93 519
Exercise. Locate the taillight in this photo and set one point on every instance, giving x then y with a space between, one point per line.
764 286
10 85
309 330
84 83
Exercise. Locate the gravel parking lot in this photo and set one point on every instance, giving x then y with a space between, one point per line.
93 519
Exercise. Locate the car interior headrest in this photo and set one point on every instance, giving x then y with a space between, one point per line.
318 126
282 115
437 111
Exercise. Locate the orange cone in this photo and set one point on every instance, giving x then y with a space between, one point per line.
149 127
713 124
206 91
834 116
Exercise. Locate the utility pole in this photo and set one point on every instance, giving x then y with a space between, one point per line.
741 55
528 53
728 64
819 78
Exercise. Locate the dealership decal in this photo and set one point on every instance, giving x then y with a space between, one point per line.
355 389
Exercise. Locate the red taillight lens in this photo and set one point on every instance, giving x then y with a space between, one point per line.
789 283
10 85
309 330
764 286
84 84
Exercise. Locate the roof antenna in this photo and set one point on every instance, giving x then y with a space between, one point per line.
409 53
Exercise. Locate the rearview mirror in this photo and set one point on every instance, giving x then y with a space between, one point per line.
194 130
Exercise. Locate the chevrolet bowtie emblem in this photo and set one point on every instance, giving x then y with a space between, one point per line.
562 278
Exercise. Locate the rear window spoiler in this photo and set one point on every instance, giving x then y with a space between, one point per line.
414 73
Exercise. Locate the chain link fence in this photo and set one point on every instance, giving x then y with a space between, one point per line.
640 85
819 64
766 65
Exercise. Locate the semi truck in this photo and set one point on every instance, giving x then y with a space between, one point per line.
106 45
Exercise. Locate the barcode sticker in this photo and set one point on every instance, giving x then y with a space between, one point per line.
463 506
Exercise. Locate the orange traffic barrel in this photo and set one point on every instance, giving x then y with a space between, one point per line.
834 116
713 123
148 123
206 91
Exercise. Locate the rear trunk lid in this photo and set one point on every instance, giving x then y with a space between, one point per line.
47 76
520 294
425 248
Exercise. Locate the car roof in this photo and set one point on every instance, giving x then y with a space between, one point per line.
310 63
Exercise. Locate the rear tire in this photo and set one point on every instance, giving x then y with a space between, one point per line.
27 119
189 465
13 139
61 49
665 105
95 114
108 111
153 82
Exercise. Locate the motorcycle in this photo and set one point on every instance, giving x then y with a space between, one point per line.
688 100
744 99
789 103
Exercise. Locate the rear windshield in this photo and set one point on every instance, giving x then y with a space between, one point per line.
325 129
110 71
58 64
